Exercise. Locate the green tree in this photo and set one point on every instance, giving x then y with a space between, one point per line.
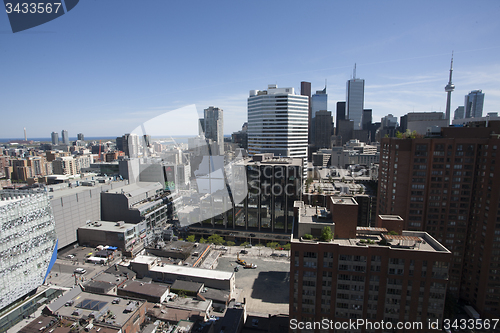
203 240
190 238
216 239
392 232
307 236
272 245
244 244
287 246
326 234
230 243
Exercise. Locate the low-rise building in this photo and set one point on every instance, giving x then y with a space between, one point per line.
148 266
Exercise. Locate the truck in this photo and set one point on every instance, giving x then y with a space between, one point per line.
471 312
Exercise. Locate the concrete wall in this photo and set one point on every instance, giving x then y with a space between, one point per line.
73 210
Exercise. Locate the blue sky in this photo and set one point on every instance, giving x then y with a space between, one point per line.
109 65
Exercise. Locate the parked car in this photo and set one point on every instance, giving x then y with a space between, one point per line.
283 255
80 271
274 255
244 251
70 256
236 269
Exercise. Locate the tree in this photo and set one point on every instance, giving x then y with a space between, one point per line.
326 234
244 244
203 240
307 236
392 232
230 243
216 239
190 238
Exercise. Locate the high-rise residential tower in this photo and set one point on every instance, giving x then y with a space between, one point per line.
65 137
474 104
277 123
448 187
449 88
355 96
55 138
80 137
214 127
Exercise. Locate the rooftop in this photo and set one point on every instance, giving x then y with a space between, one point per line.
150 289
108 226
138 188
77 304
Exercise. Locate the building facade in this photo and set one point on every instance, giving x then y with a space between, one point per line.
355 96
28 244
214 127
55 138
364 273
64 138
447 187
473 104
278 123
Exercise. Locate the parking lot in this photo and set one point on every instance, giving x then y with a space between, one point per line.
265 288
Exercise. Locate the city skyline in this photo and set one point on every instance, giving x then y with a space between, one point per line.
141 66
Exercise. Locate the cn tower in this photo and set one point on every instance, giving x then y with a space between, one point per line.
449 88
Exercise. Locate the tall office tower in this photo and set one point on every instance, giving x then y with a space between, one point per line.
447 187
473 104
214 127
130 144
119 143
340 115
367 119
80 137
449 88
305 90
323 123
364 273
319 102
355 97
25 136
29 244
277 123
55 138
64 138
459 113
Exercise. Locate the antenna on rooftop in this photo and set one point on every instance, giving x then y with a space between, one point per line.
354 71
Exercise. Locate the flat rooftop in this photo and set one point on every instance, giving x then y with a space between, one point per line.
410 241
183 270
136 188
344 201
108 226
97 303
313 214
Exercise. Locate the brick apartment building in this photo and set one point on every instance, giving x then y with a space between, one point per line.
447 187
364 273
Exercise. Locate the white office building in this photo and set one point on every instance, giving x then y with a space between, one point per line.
28 243
355 100
277 123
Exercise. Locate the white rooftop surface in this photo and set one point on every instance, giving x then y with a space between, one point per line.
194 272
136 188
183 270
144 259
109 226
